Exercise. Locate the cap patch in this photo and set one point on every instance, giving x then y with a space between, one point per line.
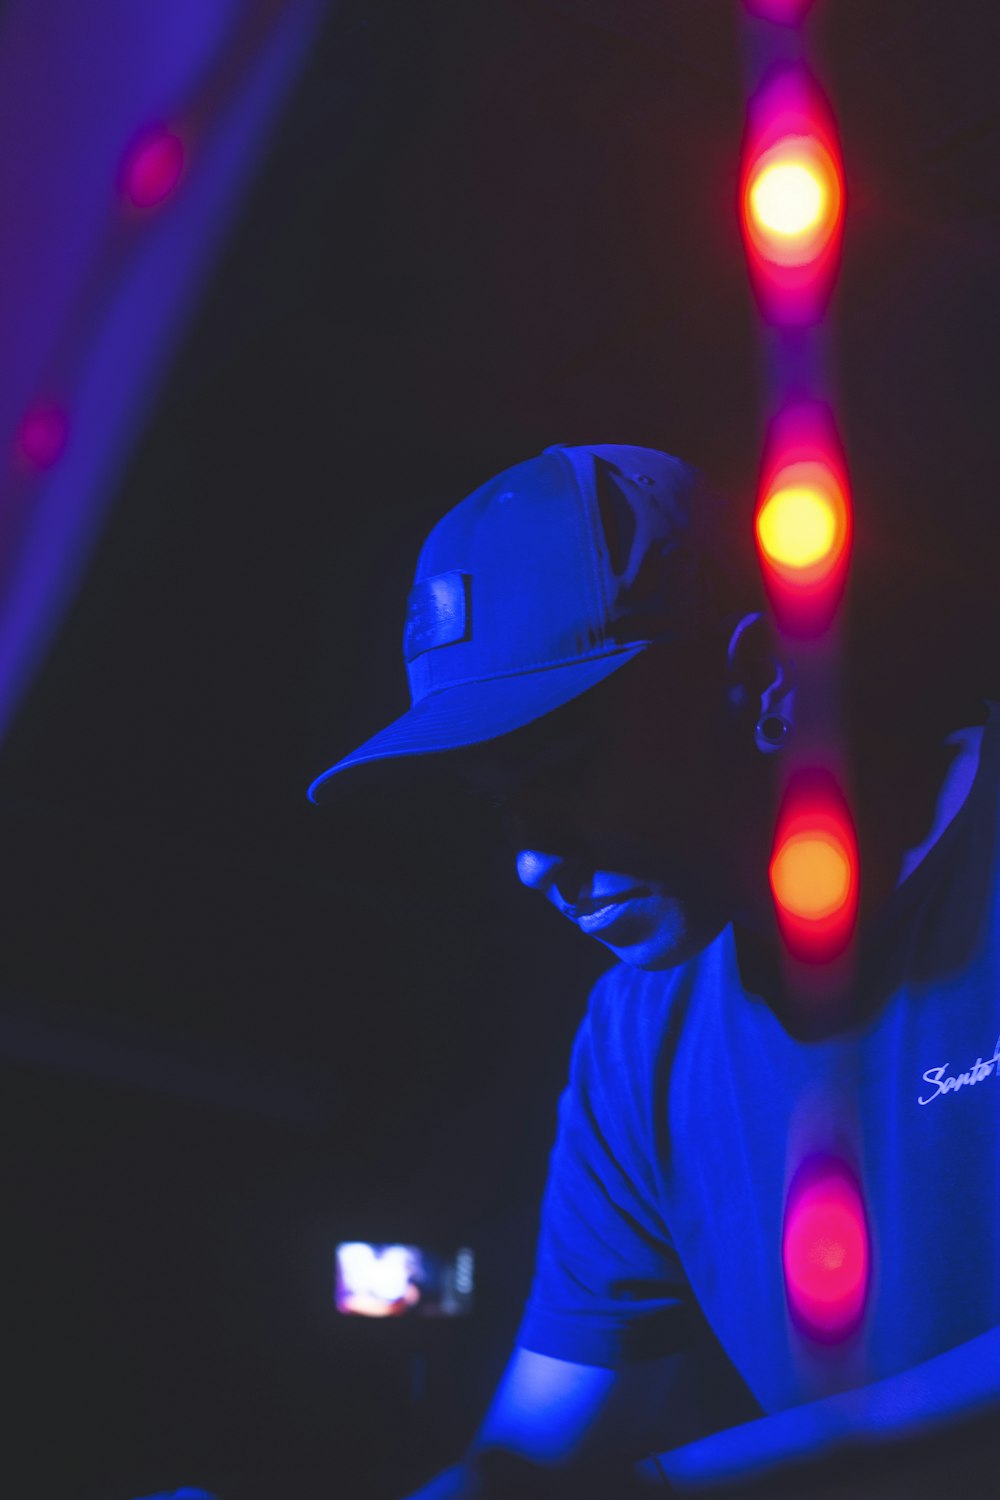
437 613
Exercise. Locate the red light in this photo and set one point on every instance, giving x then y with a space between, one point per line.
791 198
152 167
814 869
42 436
825 1250
802 521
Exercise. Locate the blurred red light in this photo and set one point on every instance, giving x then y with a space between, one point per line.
152 167
802 521
791 198
814 869
42 436
825 1250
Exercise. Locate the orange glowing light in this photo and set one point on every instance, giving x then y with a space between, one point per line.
793 201
811 875
814 868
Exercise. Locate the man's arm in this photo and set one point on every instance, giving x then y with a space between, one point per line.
553 1418
959 1384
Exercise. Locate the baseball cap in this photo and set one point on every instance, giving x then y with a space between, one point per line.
542 583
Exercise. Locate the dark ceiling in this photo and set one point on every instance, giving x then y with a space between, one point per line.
236 1028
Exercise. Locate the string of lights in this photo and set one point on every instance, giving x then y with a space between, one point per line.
792 209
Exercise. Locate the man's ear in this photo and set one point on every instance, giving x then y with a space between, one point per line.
761 677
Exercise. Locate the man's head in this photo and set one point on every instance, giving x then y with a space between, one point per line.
643 810
581 641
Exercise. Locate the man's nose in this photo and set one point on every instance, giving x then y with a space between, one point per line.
537 870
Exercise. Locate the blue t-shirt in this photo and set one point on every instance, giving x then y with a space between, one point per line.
689 1107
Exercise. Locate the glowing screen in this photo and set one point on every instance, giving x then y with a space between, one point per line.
388 1281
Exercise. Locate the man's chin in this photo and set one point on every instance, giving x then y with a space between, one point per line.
677 939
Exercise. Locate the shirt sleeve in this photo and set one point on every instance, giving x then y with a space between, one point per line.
608 1287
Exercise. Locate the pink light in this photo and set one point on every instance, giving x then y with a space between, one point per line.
791 168
42 436
825 1250
152 167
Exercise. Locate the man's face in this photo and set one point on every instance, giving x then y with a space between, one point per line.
627 808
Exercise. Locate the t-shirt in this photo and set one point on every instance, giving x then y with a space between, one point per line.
690 1105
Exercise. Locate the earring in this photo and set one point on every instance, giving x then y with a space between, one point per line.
771 732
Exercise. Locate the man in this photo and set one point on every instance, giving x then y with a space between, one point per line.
584 640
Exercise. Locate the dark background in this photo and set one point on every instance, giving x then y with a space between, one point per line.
234 1030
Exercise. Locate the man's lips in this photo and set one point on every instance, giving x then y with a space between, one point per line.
587 905
605 901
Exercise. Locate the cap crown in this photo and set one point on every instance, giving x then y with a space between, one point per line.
573 555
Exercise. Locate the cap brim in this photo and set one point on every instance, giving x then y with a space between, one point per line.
471 713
